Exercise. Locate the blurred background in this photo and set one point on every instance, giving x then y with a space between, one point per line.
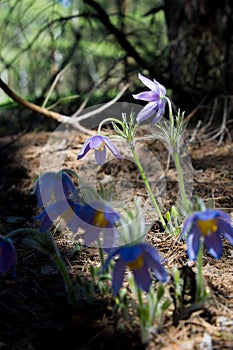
60 54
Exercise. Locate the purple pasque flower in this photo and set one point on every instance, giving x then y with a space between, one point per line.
8 256
92 218
99 143
156 100
139 258
52 185
210 224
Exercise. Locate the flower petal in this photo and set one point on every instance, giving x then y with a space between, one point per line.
152 261
193 242
147 112
100 157
187 225
160 87
214 244
130 253
96 142
226 217
118 275
85 148
158 116
112 147
142 278
147 82
226 229
149 96
111 255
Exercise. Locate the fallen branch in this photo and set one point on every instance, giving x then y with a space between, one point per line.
72 120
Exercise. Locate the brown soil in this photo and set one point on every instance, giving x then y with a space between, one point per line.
34 311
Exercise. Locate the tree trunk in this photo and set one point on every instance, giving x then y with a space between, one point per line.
201 47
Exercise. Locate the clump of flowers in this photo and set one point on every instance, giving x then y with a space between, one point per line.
122 236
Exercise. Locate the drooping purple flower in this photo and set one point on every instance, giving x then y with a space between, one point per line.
52 185
210 224
8 256
139 258
92 218
99 143
156 100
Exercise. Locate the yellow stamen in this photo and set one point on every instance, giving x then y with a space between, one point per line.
99 219
137 263
207 227
102 146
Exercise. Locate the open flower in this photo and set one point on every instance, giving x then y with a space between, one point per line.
93 218
52 185
211 225
139 258
8 256
99 143
156 100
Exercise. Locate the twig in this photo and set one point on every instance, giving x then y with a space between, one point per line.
71 120
54 84
102 108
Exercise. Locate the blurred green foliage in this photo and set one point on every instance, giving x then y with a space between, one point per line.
42 40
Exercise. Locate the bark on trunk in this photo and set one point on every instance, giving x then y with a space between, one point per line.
201 46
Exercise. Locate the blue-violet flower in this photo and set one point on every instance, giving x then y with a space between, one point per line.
93 218
99 143
210 224
139 258
156 100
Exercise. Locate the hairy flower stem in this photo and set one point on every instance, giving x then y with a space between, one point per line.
148 186
181 180
174 140
107 120
199 280
171 118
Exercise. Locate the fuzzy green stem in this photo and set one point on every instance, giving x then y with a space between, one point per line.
170 115
181 180
101 253
107 120
199 280
148 186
